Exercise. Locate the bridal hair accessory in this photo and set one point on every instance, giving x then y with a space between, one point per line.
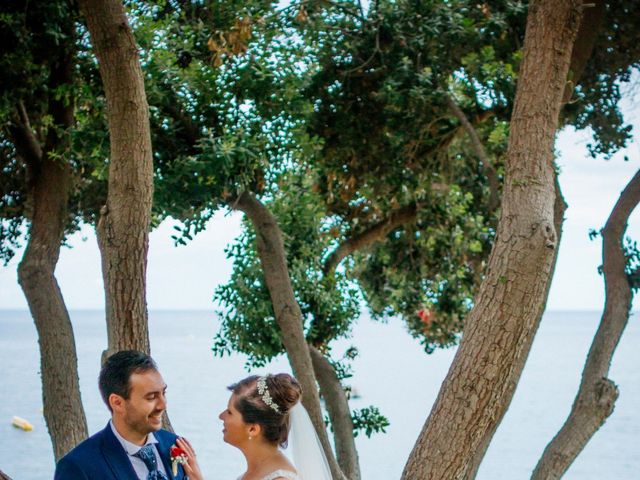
263 391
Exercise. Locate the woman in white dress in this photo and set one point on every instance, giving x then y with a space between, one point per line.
259 416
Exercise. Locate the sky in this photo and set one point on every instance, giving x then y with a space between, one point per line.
185 277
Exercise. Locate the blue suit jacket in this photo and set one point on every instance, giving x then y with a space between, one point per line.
101 457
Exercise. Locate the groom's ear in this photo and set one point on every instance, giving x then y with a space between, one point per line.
116 402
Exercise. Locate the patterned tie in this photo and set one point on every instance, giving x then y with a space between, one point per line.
147 455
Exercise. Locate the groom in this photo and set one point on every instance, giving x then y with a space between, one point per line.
133 445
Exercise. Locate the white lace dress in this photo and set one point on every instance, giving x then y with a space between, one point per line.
279 474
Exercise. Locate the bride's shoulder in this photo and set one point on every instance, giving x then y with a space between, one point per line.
282 474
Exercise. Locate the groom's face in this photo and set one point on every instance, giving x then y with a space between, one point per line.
142 411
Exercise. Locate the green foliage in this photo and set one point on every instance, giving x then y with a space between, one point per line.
632 265
368 420
429 267
595 102
329 304
35 38
381 106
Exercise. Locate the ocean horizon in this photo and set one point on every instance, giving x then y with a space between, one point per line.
391 372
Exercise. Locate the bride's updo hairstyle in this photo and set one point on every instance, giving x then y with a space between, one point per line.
267 402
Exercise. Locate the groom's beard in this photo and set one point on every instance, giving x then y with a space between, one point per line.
144 424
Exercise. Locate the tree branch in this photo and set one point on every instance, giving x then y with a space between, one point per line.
375 233
489 170
271 251
25 141
339 412
597 394
4 476
189 131
590 27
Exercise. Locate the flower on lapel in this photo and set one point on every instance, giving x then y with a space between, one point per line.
178 456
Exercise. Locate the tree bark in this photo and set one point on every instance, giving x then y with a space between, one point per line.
339 413
123 228
500 328
49 179
597 394
559 208
272 255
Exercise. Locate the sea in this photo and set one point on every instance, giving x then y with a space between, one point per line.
392 372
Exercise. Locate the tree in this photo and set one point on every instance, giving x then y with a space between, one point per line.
509 304
123 229
597 394
356 186
38 118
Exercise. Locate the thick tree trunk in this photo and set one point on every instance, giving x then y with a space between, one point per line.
51 177
337 405
123 229
270 248
597 394
559 208
499 329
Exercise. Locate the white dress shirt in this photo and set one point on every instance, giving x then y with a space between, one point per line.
131 448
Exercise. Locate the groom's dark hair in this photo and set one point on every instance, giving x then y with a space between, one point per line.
117 370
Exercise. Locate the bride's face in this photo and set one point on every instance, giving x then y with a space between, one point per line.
235 431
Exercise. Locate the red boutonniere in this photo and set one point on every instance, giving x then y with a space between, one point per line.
178 456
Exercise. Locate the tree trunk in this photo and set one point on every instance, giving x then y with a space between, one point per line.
51 177
270 248
500 328
337 405
597 394
4 476
123 229
559 208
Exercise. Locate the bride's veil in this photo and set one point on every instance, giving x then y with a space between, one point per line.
308 455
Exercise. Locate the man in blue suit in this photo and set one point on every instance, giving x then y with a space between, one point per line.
133 445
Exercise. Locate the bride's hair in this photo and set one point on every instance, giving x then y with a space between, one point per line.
284 392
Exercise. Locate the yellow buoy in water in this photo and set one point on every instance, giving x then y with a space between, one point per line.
22 424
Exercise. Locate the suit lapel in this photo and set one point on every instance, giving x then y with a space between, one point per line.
116 457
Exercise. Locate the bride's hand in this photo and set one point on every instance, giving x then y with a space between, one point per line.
191 468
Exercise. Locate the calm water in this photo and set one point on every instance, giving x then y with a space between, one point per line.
391 373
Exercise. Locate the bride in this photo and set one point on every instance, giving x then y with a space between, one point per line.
263 415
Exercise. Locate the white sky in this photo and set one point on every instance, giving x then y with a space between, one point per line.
184 278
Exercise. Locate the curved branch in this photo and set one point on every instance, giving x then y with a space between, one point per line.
270 247
597 394
49 195
489 170
590 27
339 413
375 233
4 476
26 143
123 228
